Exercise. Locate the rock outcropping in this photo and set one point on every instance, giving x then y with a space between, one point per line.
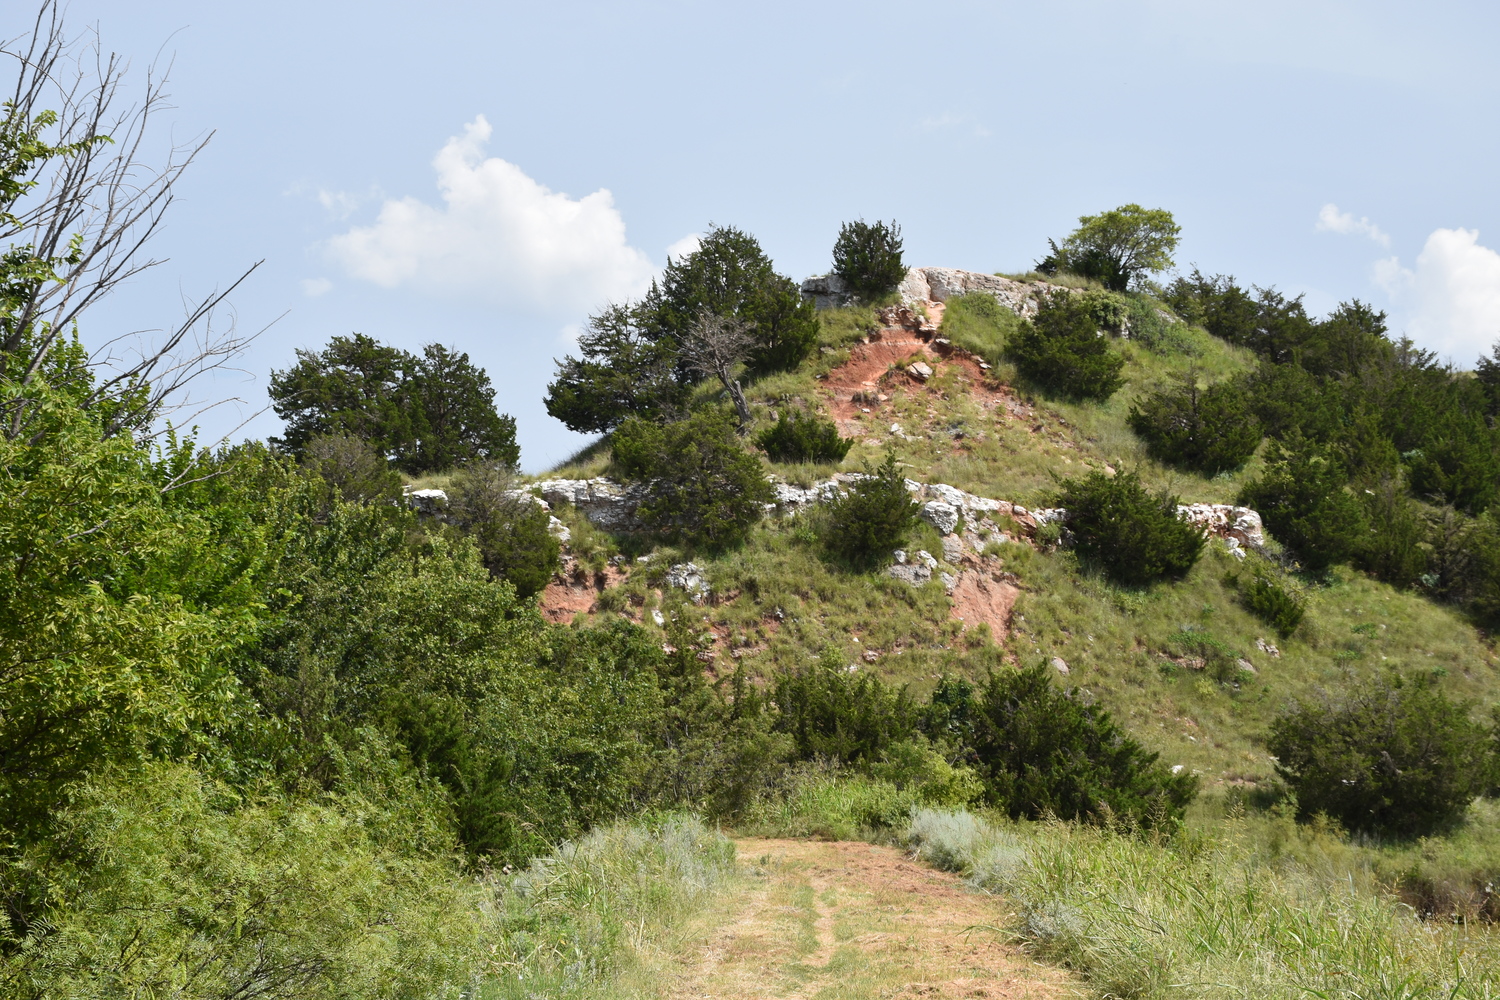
612 506
938 284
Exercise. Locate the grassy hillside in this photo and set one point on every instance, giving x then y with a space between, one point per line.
778 601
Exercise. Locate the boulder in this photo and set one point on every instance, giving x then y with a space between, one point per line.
688 577
429 502
827 291
954 548
915 574
941 515
1061 665
920 369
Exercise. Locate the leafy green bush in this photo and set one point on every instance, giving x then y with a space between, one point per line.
1042 751
511 531
1272 603
1392 755
1395 548
803 437
1136 536
870 519
166 883
868 257
1063 351
1303 500
1155 331
1210 430
702 484
837 715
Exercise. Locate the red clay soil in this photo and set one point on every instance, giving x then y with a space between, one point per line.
869 371
980 598
567 596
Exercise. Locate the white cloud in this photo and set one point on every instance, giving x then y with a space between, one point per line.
499 235
1331 220
1451 298
688 244
313 287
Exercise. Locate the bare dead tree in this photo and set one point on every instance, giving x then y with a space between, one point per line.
80 198
715 347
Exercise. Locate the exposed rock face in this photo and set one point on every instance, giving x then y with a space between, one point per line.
689 577
604 502
941 515
612 506
426 501
827 291
938 284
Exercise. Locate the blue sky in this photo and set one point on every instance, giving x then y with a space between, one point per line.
486 174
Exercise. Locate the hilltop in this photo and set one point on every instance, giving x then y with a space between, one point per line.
926 377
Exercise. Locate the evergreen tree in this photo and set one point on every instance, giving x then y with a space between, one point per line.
1063 350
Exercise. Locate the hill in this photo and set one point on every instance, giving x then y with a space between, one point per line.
967 421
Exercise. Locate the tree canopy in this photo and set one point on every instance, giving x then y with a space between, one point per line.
1117 247
422 413
636 359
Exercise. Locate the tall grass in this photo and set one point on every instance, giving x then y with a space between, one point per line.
585 920
1207 915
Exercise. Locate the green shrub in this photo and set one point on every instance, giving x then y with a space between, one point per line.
1393 755
1136 536
1041 751
1155 331
1272 603
1303 500
511 531
873 517
1063 351
803 437
165 883
351 466
837 715
1220 660
702 485
1210 430
1394 549
867 256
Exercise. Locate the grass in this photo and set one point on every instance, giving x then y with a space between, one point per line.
596 917
1207 914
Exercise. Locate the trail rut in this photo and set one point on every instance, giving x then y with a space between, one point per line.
851 920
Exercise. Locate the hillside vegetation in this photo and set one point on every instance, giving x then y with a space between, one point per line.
348 713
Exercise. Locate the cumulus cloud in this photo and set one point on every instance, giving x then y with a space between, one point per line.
1331 220
688 244
1451 298
499 234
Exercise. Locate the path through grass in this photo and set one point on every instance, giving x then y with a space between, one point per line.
843 921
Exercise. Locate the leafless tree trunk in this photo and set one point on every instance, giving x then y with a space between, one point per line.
75 219
716 346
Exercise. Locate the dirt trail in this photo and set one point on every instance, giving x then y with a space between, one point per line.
850 920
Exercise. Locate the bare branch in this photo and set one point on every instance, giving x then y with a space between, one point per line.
717 345
89 211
